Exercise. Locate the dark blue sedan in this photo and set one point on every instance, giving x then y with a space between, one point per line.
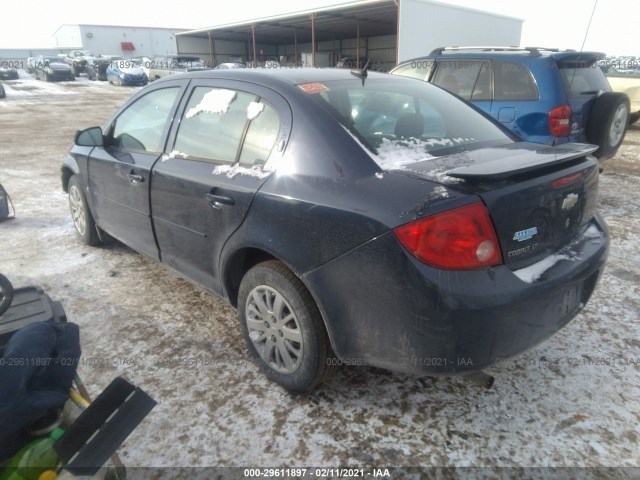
125 72
355 218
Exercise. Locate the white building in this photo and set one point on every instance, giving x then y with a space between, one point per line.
384 31
117 40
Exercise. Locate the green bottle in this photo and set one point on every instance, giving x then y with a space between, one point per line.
33 459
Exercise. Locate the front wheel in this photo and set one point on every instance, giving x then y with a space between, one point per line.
82 218
283 328
608 123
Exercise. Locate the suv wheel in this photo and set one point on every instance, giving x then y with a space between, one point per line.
608 123
283 328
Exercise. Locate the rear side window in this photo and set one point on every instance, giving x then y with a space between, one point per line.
466 78
213 124
141 126
513 81
261 135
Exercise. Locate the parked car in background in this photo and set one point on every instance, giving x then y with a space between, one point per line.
126 72
79 61
30 65
544 95
144 63
49 67
172 64
97 69
627 82
368 216
8 70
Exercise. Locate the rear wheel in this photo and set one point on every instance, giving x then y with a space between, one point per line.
82 218
634 117
283 328
2 94
608 123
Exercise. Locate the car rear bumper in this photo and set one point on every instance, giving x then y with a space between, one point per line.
387 309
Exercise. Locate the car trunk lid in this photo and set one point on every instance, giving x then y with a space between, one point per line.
539 197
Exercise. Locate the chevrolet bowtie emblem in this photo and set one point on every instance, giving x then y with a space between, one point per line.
570 201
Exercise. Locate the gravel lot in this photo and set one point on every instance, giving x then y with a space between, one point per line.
571 402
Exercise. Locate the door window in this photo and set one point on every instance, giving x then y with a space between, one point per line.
214 124
466 78
141 127
513 82
261 135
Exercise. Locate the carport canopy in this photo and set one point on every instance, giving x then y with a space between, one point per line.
357 19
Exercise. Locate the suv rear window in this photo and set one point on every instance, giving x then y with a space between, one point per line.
584 81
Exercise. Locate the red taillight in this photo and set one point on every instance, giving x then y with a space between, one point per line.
560 121
561 182
459 239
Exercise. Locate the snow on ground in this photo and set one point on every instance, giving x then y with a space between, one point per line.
571 402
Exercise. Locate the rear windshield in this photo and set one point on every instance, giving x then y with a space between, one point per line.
402 122
584 81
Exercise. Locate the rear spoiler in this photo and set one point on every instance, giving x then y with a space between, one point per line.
504 168
577 59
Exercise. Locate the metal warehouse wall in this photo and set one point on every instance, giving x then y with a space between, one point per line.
107 39
425 26
21 54
68 36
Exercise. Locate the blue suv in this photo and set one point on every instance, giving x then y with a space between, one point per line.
544 95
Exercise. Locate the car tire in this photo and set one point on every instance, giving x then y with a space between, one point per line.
6 294
608 123
2 93
291 345
634 117
81 216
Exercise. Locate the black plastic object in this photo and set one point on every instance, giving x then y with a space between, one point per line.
29 305
96 434
6 293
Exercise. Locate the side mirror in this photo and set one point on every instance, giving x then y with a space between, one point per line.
90 137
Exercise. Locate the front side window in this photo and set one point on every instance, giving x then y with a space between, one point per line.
141 127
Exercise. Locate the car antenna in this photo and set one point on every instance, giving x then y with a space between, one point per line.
361 72
586 34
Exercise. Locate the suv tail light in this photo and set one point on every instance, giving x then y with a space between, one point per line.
458 239
560 121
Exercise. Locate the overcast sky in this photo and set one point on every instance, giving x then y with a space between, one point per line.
549 23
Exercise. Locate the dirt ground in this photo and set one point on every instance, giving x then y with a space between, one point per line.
571 402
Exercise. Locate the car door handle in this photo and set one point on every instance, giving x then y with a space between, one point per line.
217 201
134 178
